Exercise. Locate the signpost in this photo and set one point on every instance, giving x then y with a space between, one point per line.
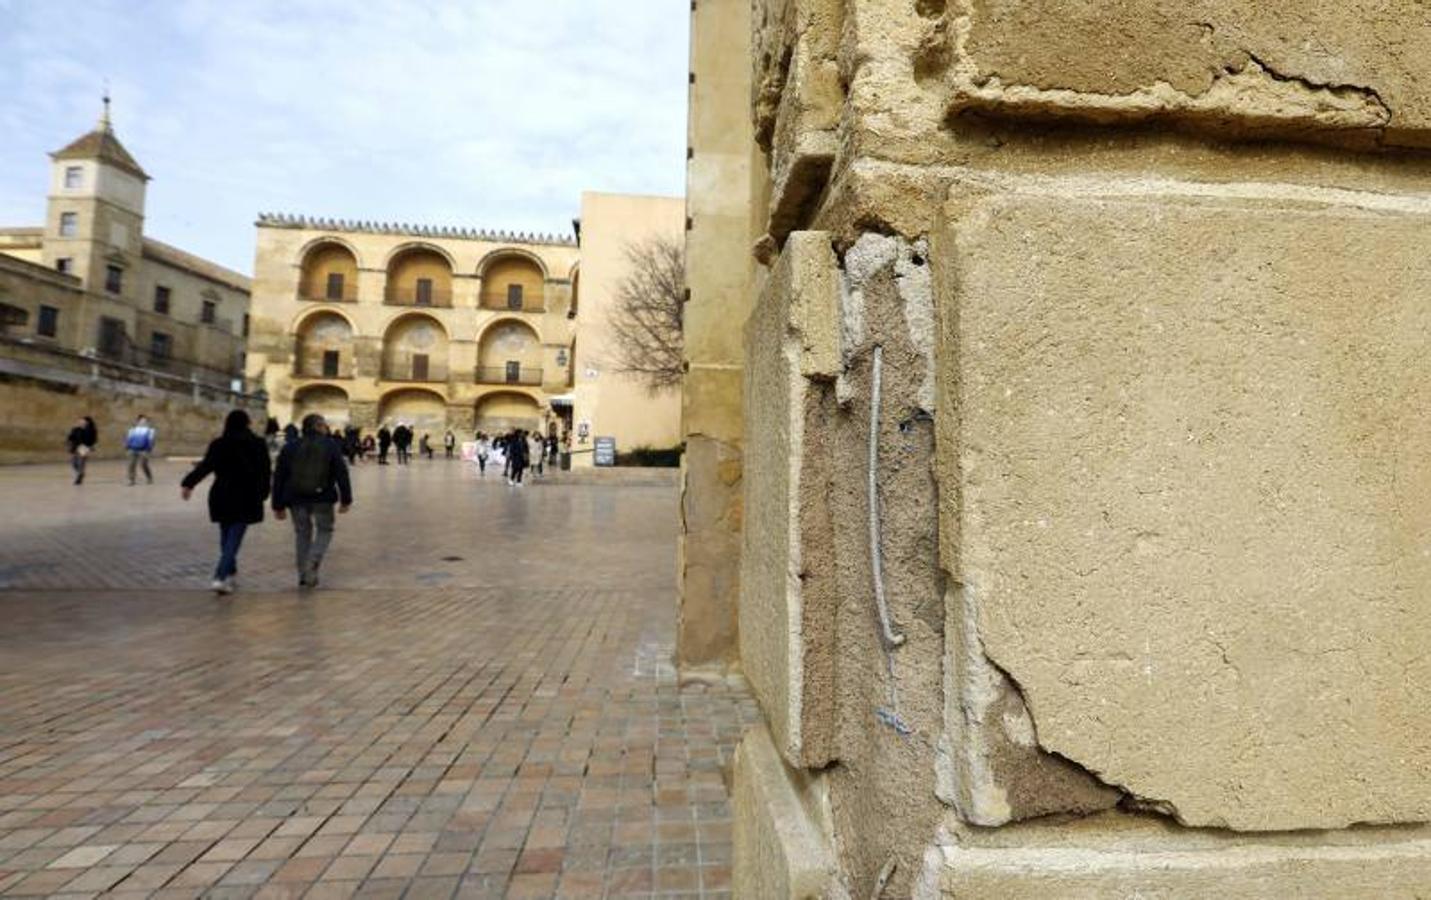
605 451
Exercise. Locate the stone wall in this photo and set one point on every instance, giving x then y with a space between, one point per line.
719 185
1085 475
37 412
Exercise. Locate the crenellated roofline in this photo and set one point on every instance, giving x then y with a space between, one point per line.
311 223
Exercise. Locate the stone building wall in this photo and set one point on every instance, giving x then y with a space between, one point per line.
721 178
1085 483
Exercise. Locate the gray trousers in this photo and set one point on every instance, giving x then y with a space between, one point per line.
139 458
312 533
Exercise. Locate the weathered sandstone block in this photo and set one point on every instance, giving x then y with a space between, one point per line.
1187 494
787 632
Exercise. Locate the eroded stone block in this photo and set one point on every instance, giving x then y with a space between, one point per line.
1187 493
781 849
1321 69
786 631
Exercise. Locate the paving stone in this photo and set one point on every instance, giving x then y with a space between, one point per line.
507 724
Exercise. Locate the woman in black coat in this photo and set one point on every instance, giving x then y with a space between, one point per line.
238 460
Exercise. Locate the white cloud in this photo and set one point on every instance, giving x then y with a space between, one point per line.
480 112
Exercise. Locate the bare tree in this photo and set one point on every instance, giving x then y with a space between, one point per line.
647 320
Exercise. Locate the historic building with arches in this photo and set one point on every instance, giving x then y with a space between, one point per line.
449 328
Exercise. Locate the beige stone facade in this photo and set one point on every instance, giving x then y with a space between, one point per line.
720 275
606 401
440 328
450 328
90 281
1085 481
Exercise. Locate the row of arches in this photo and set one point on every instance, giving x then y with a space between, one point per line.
415 347
422 275
426 411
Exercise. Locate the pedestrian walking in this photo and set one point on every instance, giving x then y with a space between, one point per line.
517 455
449 443
139 443
385 440
402 439
81 441
352 444
536 455
424 446
484 449
552 449
270 434
310 478
238 460
368 446
504 445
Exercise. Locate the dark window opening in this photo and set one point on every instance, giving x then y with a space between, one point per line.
65 265
514 296
113 279
161 300
330 363
111 337
514 372
419 366
245 324
49 324
161 346
12 318
206 315
424 292
335 286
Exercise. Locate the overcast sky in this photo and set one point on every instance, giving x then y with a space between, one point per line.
491 113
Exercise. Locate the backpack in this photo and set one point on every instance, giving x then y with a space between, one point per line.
310 468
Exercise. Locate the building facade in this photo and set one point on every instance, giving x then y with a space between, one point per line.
90 282
442 328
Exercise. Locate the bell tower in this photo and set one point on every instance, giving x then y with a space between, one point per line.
94 222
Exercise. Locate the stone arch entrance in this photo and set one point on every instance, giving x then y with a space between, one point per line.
327 400
505 410
425 411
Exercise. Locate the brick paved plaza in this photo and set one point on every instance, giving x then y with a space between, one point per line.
478 702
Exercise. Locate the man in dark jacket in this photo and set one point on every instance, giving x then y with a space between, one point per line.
385 440
402 440
238 460
311 476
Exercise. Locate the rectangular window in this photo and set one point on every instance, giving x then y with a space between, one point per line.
419 367
49 323
74 177
161 346
514 296
245 324
69 224
161 300
335 286
113 279
65 265
330 363
206 315
424 292
12 318
111 337
514 372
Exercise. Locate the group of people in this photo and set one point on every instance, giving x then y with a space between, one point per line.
357 447
517 451
308 481
139 444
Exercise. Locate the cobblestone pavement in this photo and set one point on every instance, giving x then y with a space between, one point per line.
478 702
